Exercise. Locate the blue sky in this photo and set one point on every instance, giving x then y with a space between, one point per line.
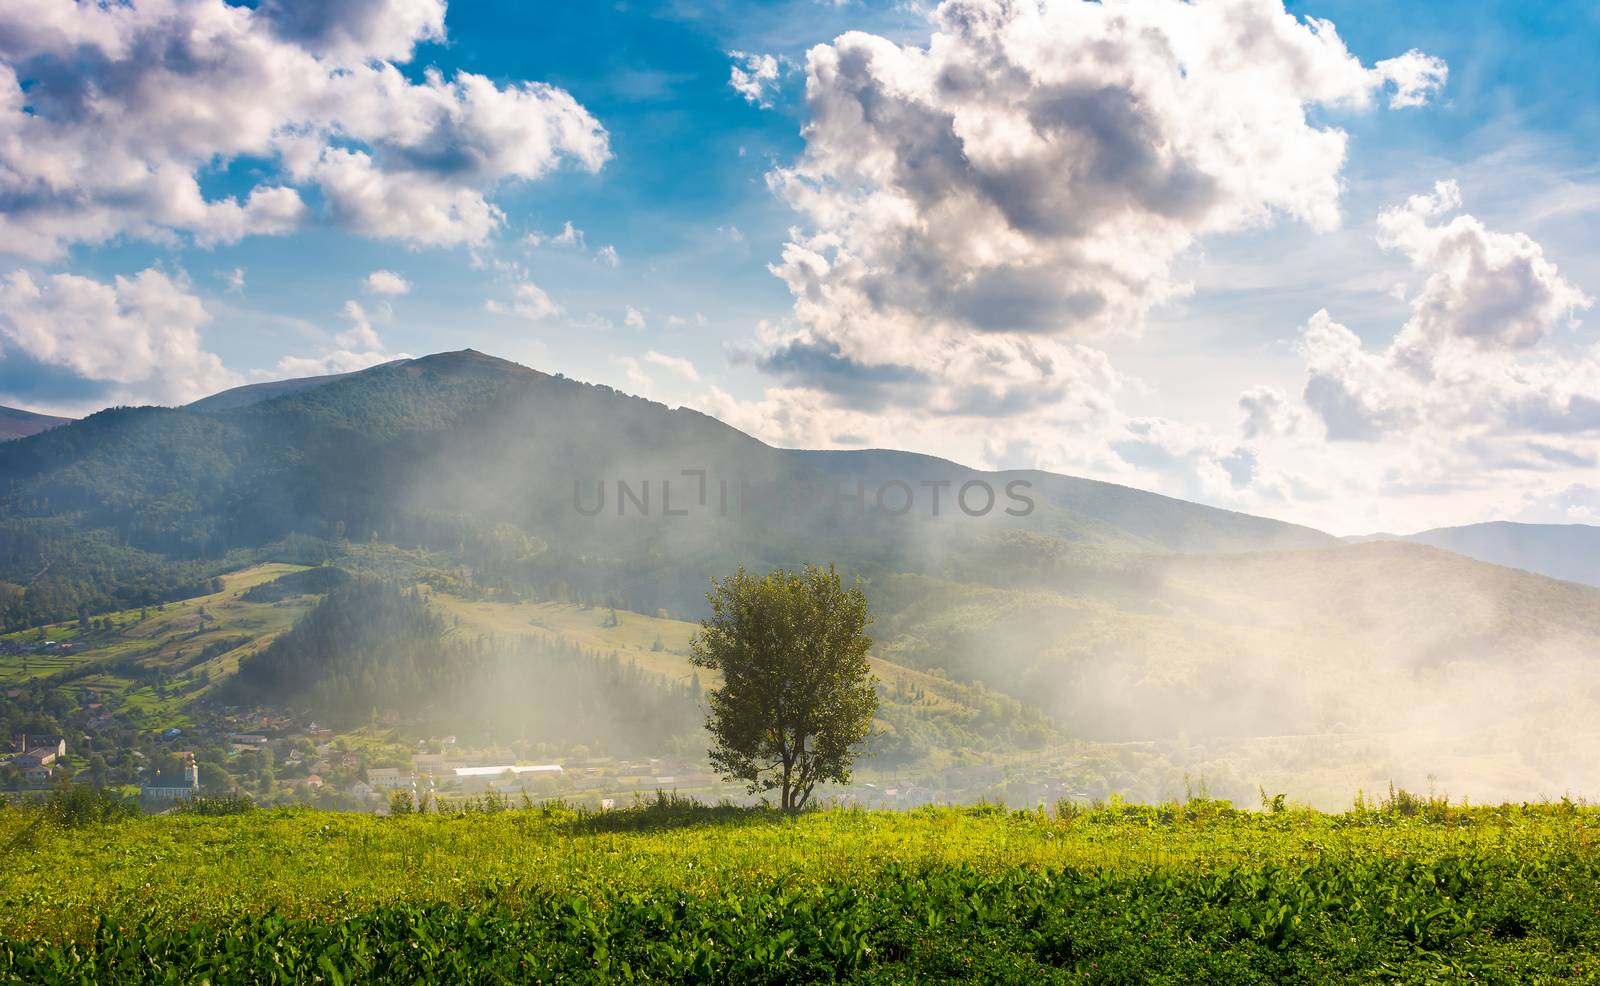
1163 326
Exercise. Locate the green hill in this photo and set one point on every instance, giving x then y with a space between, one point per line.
453 451
1102 613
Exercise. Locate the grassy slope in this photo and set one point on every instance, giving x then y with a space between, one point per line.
168 636
1344 636
1316 672
635 638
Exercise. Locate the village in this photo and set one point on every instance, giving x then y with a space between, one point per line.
276 758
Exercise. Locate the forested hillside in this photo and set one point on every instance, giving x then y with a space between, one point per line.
1072 608
468 453
373 646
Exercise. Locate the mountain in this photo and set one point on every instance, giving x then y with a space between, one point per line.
255 393
466 452
16 423
1124 616
1561 551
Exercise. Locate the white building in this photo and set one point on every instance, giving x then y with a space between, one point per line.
167 787
389 778
509 776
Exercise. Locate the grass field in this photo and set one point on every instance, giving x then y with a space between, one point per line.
168 641
675 893
634 636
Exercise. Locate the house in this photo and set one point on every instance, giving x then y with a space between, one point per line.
25 742
314 781
37 764
428 764
173 787
42 756
388 778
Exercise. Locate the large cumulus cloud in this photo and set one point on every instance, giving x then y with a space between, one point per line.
132 339
1474 356
982 204
112 114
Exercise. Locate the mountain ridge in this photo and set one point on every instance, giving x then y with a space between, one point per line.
18 423
1122 614
474 453
1570 552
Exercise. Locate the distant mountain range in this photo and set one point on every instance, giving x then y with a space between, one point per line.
1121 613
455 450
1561 551
15 423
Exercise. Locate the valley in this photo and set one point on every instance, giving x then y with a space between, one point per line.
1105 642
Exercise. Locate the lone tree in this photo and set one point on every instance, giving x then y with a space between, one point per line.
797 692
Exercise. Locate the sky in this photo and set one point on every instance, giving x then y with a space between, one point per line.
1330 262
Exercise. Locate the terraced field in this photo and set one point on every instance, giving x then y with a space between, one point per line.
160 659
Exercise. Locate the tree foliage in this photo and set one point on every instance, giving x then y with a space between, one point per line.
797 695
377 646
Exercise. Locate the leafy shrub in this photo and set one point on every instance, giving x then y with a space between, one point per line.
212 806
75 805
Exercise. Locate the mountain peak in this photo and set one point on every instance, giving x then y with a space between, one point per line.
471 363
462 364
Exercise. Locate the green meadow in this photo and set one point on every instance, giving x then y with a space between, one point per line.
1409 890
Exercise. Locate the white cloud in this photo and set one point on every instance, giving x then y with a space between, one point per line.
676 364
355 348
233 279
1471 355
414 206
358 29
159 91
977 208
1479 406
134 340
570 236
608 255
1578 503
754 76
386 282
360 336
633 318
1415 77
528 301
1269 412
1495 290
336 361
635 375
